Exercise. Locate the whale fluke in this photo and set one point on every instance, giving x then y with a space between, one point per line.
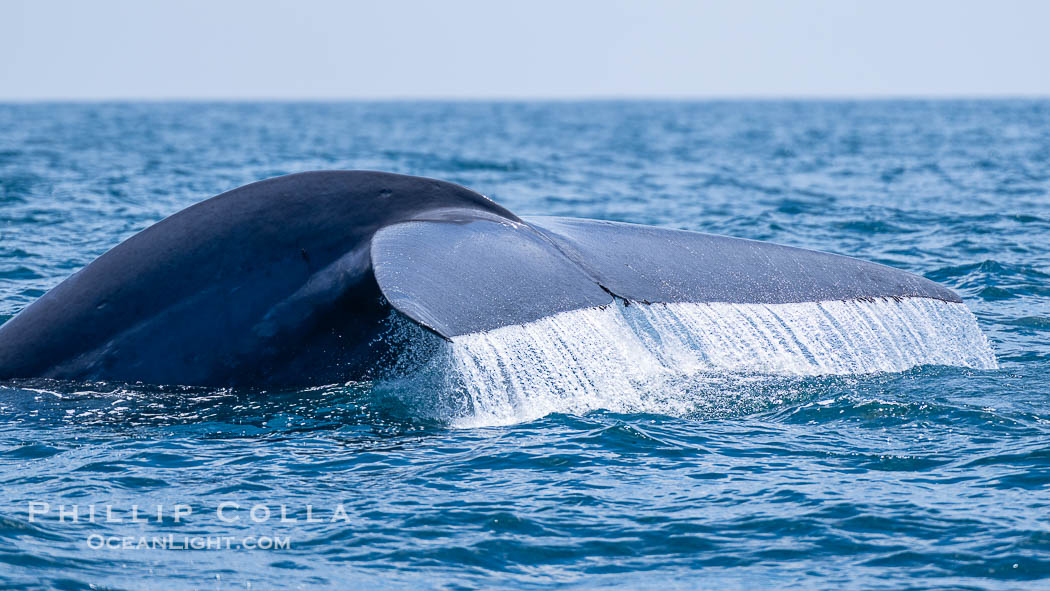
288 281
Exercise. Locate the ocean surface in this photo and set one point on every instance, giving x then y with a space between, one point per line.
911 461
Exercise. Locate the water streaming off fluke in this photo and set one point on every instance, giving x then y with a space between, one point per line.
628 358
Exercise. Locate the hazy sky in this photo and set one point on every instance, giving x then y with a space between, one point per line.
524 48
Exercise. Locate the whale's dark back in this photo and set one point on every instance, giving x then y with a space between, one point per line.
287 281
269 282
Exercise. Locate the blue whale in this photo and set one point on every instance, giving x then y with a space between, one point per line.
288 281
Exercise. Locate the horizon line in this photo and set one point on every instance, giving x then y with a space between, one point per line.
527 99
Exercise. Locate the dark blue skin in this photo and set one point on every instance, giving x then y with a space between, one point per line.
289 281
269 283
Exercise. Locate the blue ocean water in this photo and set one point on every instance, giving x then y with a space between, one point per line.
936 476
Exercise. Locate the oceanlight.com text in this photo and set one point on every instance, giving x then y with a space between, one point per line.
181 542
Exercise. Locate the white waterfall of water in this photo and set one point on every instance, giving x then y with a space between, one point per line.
623 358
